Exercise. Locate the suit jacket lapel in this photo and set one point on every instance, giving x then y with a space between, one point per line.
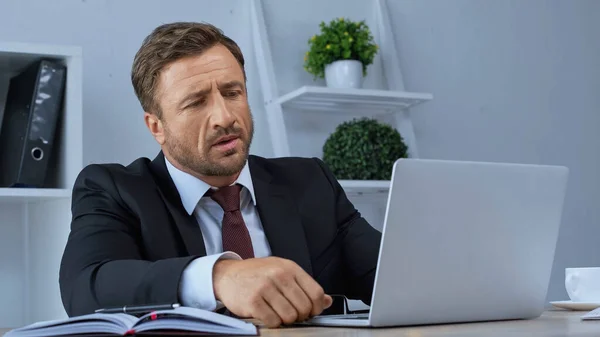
186 224
280 218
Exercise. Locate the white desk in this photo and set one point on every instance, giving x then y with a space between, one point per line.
553 323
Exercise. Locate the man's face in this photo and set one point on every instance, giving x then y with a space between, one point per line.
206 120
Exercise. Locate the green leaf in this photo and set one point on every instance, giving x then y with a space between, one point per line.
340 39
363 149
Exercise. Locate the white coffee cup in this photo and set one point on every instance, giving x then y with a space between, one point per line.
583 284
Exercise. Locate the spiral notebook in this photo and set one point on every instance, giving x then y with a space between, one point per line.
179 321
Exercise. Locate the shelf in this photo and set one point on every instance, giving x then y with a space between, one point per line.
33 194
34 222
365 187
367 102
68 153
15 56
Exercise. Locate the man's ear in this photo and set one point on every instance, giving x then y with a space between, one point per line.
155 126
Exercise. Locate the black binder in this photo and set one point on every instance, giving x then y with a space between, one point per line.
31 114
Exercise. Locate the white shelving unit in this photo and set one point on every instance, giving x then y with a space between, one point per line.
394 102
369 197
357 102
20 195
365 187
34 223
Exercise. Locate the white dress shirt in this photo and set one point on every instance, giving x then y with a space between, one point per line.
196 288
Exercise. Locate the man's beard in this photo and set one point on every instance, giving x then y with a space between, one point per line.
186 154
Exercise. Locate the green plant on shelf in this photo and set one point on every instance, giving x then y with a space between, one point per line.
341 39
363 149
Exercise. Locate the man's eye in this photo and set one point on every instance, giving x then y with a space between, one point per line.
232 94
197 103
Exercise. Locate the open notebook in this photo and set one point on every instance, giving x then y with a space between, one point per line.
182 320
592 315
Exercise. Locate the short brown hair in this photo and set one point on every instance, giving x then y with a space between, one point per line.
168 43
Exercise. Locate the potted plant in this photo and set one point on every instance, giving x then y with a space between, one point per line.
363 149
341 53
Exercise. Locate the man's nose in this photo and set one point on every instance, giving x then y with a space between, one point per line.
220 114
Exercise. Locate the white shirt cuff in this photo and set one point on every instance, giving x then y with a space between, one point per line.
196 287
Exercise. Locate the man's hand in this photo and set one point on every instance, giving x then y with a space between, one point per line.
271 289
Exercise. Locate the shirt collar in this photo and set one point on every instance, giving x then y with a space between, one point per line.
192 189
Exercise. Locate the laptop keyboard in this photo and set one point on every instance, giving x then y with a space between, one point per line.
349 316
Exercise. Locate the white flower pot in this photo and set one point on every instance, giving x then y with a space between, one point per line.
344 74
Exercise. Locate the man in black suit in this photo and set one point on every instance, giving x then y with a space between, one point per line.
205 223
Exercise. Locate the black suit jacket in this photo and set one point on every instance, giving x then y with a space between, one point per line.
131 238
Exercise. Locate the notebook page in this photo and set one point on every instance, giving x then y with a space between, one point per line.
592 315
80 328
195 326
122 320
203 316
91 322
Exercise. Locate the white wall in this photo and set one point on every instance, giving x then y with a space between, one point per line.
110 33
513 81
12 265
290 24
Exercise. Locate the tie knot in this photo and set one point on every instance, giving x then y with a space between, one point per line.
227 197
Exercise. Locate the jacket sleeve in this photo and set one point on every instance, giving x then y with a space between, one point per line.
360 247
102 264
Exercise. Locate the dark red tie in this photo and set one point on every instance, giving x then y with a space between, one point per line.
234 231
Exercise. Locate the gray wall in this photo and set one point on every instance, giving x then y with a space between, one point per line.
513 81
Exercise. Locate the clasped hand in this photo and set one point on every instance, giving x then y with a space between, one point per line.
274 290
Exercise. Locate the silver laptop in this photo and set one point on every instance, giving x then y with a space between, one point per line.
464 242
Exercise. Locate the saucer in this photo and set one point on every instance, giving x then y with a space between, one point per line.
578 306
